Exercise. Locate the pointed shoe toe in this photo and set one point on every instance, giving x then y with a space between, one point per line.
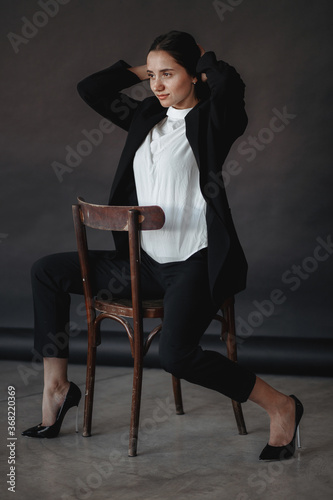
51 431
38 431
274 453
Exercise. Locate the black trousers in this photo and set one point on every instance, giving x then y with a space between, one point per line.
188 310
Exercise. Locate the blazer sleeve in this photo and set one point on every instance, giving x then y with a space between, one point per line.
102 92
227 107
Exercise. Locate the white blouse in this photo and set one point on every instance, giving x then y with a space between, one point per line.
166 174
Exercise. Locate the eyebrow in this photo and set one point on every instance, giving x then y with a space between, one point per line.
161 70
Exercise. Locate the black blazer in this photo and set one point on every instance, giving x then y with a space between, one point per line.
211 128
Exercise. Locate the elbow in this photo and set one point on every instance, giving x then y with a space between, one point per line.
244 122
82 90
80 87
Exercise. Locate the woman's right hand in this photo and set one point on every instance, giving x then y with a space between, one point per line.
140 71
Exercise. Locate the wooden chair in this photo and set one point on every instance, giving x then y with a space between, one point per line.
133 220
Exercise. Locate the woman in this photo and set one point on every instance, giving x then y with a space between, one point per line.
177 142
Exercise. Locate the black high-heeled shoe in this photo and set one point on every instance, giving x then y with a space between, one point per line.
287 451
72 398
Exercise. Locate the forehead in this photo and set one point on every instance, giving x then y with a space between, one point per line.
157 60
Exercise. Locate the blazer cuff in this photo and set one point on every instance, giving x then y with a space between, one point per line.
104 82
206 61
124 65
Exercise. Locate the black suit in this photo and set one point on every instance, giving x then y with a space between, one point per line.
191 294
211 128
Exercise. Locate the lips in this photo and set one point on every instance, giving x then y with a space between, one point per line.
162 96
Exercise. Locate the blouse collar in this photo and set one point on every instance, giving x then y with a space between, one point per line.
177 114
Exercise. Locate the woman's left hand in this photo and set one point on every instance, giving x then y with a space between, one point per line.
203 75
202 50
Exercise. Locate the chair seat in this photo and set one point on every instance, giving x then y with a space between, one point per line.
123 307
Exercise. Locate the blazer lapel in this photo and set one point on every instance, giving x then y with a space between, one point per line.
192 132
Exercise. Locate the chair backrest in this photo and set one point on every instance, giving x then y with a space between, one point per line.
111 218
115 218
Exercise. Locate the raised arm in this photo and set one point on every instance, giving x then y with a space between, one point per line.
102 92
227 95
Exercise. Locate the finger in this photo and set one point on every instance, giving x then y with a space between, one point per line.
202 50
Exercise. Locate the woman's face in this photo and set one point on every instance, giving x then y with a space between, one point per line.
169 81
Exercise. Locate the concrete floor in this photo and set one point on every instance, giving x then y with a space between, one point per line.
195 456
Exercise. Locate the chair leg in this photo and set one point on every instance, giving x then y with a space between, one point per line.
135 413
229 314
237 407
177 392
89 396
136 400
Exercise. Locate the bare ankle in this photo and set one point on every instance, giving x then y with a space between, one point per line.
283 404
56 388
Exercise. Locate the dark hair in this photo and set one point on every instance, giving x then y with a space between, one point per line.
184 49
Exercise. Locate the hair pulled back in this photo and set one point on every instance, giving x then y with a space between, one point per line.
186 52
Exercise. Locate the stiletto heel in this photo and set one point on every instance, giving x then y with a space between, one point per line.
77 419
72 398
287 451
298 438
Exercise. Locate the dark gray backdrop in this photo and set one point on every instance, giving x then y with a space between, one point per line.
278 174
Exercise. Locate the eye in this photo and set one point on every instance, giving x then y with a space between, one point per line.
166 74
150 75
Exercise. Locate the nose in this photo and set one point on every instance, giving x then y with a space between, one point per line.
157 85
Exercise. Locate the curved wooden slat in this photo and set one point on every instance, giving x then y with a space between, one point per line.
115 218
115 317
123 307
